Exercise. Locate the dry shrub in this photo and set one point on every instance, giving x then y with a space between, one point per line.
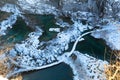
3 67
112 70
3 70
19 77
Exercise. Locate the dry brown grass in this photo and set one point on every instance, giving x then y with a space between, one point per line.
17 78
5 49
3 69
112 70
4 15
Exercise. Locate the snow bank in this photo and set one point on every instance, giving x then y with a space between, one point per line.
37 6
27 49
2 78
86 67
5 24
111 34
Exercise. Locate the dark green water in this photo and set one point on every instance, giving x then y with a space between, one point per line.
59 72
94 47
45 22
18 33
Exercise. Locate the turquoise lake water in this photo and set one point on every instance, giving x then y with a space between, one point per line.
45 22
18 33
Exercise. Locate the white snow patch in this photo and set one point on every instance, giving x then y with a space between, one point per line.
7 23
111 34
2 78
37 6
31 1
55 29
86 67
10 8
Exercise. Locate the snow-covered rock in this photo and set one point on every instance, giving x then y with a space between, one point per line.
55 29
